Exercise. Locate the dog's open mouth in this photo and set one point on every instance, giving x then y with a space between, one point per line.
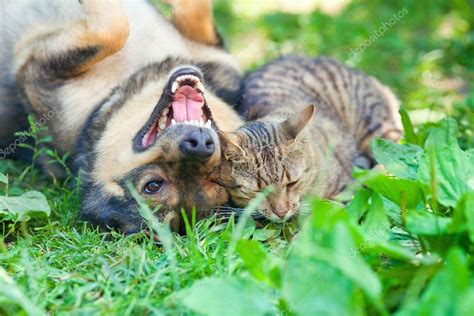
183 102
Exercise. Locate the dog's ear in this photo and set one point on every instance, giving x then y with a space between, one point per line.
110 212
293 126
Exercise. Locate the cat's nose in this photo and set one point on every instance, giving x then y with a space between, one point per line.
198 144
280 208
280 213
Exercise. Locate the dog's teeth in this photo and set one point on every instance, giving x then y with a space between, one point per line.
174 87
200 86
165 112
162 122
173 122
208 124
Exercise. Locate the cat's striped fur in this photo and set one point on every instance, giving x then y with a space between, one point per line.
276 149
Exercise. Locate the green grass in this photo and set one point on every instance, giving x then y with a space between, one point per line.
403 244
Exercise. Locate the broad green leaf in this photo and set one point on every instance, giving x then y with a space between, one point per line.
468 205
326 214
3 178
405 193
400 160
445 290
376 224
312 287
354 266
425 223
265 234
466 303
375 235
410 135
248 229
254 256
333 270
393 211
452 168
259 263
29 204
359 204
226 296
463 217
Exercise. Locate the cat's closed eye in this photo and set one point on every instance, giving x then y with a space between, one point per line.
291 185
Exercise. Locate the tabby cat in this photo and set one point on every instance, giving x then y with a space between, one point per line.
301 149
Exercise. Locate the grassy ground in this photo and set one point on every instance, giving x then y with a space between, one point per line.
402 245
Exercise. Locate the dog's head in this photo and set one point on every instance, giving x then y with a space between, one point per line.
155 131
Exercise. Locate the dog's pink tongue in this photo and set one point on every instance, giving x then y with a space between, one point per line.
187 104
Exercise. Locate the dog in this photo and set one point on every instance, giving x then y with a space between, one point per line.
135 98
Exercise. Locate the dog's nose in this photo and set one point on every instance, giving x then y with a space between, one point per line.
198 144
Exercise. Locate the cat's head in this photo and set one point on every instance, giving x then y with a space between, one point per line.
262 154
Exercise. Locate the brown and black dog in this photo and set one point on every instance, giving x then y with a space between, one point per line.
135 98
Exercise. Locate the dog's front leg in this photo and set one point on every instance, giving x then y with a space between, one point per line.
50 57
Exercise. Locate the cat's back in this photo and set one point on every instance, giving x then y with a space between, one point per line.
295 81
355 102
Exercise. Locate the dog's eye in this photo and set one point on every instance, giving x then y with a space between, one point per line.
153 187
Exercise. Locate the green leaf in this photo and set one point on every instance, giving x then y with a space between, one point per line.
404 192
265 234
376 224
249 228
312 287
332 276
326 214
359 204
400 160
410 135
451 167
254 257
463 217
3 178
226 296
468 204
445 290
29 204
466 303
354 266
426 223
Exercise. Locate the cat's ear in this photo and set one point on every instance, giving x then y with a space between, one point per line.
230 144
296 123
